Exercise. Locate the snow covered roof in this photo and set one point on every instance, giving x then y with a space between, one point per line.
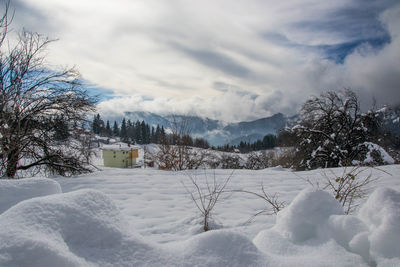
119 147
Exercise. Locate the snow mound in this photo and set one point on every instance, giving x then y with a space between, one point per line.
381 213
310 209
314 227
13 191
85 228
300 236
81 228
221 248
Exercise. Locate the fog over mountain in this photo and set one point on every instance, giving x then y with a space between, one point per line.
215 131
219 132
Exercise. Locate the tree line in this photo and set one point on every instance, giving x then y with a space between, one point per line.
137 132
140 132
269 141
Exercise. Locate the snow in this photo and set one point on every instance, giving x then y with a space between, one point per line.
310 209
120 147
14 191
144 217
381 213
387 159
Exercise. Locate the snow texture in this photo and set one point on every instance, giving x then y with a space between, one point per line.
14 191
136 220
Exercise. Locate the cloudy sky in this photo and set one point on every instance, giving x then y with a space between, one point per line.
232 60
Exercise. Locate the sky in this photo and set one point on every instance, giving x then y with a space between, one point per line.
228 60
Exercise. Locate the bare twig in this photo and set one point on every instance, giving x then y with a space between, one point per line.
274 205
206 197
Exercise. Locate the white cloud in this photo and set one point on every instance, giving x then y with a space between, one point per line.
175 52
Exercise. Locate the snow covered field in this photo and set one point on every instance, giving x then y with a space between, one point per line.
145 217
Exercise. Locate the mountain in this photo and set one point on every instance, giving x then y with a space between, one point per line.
151 119
220 133
215 131
264 126
390 117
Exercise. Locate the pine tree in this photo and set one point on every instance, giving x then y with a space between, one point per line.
138 132
96 124
144 132
157 135
123 133
153 135
108 129
115 129
131 131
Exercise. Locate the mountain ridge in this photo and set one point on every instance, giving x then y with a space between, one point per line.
215 131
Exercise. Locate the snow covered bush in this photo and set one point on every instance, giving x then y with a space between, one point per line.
178 157
228 161
258 160
333 132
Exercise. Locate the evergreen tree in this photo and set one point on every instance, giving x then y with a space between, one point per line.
108 129
269 141
157 135
99 124
96 124
162 134
148 134
153 135
144 133
115 129
138 133
131 131
123 133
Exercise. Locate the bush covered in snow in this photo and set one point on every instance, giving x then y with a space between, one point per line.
333 132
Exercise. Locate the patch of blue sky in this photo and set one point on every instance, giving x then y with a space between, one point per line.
339 52
100 93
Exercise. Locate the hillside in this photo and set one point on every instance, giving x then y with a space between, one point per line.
216 132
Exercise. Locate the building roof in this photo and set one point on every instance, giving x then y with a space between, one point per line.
119 147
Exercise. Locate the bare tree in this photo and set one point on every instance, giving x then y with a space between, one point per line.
176 151
333 132
181 141
206 196
33 97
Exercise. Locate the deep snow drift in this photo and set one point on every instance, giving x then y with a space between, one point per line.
89 227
